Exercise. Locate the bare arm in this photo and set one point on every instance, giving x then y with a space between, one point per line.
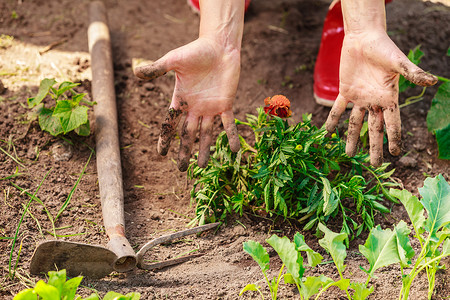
207 74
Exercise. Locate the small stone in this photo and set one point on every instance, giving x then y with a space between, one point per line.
65 213
238 230
138 226
161 211
154 216
61 151
420 146
407 162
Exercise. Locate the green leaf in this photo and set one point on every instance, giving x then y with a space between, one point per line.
70 287
133 296
118 296
446 247
44 88
93 296
342 284
65 86
70 116
249 287
288 278
380 248
438 116
413 207
49 123
331 203
414 56
436 200
361 291
314 258
438 119
267 194
405 251
289 256
443 141
312 285
334 244
57 279
84 129
28 294
47 291
258 253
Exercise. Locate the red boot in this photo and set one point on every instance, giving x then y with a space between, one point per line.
196 6
326 70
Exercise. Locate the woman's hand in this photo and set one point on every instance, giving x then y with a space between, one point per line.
369 72
206 82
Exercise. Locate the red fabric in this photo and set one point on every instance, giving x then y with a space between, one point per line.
326 70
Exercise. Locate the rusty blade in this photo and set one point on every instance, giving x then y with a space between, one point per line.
77 258
165 239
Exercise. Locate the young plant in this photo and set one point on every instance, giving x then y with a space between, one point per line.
67 114
433 232
58 288
383 247
292 171
290 254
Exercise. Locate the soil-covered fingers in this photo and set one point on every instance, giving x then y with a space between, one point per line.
206 129
187 138
393 128
150 71
356 121
168 129
231 130
335 114
376 131
415 74
156 69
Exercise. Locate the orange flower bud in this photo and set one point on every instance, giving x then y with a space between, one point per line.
278 105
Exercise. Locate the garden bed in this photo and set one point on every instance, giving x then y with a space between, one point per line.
281 40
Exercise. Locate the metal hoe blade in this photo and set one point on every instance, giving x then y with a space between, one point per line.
77 258
165 239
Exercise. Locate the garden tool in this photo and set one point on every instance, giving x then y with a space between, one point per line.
92 260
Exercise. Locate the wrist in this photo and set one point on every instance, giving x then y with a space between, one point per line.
363 15
222 22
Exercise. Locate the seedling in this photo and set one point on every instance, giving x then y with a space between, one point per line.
290 254
68 114
292 171
433 232
58 288
383 247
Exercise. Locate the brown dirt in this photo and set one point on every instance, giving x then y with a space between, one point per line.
156 193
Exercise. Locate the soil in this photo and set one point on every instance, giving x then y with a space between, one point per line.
281 41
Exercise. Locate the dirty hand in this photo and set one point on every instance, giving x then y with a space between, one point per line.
369 72
207 77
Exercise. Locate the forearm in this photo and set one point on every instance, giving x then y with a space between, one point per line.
223 22
363 15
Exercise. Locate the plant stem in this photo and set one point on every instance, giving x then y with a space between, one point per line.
413 99
274 297
414 273
440 78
